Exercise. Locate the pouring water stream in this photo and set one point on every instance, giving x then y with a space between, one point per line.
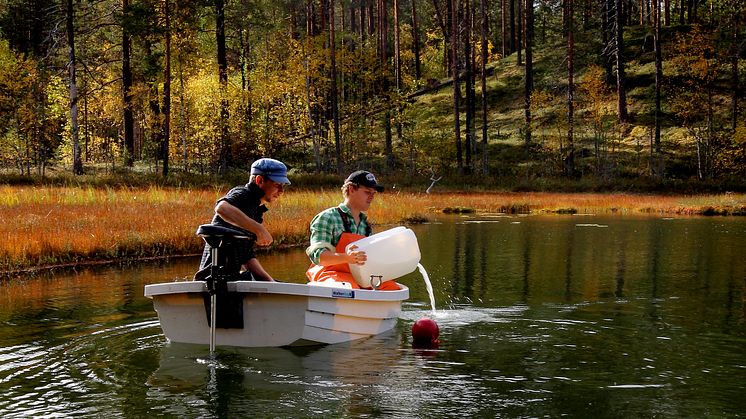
428 285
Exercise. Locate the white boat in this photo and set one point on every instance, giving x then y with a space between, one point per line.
277 313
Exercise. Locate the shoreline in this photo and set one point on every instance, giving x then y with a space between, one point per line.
72 266
65 228
32 271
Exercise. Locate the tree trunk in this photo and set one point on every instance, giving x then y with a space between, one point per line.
397 71
512 26
397 51
503 28
363 21
668 12
621 81
641 10
447 36
469 82
155 109
313 114
310 17
77 161
483 77
246 82
182 119
383 32
472 83
166 135
333 78
519 33
529 74
353 19
689 4
570 159
658 77
734 70
416 42
681 12
371 20
127 116
456 91
225 146
658 163
695 8
607 39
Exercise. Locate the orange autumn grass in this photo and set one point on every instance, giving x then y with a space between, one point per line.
43 226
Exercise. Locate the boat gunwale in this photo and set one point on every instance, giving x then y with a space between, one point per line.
287 288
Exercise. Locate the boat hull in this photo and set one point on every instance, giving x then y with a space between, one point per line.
278 313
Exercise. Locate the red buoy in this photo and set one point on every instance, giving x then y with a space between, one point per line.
425 333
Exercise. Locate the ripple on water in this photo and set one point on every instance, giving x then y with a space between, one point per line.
73 375
465 315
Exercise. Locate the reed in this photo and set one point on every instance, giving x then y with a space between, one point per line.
43 226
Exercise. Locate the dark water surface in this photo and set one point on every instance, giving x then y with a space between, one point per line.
539 317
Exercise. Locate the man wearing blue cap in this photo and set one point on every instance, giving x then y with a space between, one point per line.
244 207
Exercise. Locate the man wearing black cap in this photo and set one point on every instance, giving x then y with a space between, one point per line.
334 228
244 207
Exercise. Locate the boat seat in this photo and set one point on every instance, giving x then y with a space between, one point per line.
214 235
226 246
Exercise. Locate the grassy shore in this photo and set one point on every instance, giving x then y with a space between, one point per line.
47 226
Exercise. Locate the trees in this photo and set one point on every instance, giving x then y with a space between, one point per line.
248 81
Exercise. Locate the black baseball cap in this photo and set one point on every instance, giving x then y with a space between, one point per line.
364 178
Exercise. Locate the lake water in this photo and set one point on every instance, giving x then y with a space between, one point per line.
539 316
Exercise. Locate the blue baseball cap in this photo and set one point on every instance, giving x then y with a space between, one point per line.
273 169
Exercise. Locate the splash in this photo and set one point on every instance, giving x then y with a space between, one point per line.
428 285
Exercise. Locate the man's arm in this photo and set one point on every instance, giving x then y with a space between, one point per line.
324 230
257 270
235 216
352 257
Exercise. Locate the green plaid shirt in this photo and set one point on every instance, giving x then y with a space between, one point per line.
327 227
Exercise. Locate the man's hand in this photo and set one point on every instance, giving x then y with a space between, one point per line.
263 238
356 257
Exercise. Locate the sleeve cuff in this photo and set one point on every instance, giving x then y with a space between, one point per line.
314 251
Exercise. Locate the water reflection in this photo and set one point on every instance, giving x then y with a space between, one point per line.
332 379
568 259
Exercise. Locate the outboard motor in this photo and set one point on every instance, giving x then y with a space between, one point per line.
226 309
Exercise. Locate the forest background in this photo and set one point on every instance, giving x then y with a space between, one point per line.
549 94
103 103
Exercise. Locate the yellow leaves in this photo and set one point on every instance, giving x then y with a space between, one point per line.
491 56
18 77
693 56
541 99
595 90
593 84
739 138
